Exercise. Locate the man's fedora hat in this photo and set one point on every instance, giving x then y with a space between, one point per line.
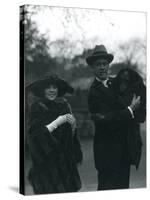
37 87
99 52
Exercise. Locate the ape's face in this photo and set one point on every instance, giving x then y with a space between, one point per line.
124 81
129 83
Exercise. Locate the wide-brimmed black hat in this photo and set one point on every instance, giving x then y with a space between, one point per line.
99 52
37 87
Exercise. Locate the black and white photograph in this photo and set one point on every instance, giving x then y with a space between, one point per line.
74 106
84 97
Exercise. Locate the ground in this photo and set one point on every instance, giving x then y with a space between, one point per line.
88 173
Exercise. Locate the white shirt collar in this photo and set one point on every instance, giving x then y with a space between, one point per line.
103 82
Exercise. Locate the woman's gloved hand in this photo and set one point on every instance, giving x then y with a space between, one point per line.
71 120
56 123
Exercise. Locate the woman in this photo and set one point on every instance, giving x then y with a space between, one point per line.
127 85
52 139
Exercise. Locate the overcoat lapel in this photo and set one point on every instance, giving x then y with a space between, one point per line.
109 94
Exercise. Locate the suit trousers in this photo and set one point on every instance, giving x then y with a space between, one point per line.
117 178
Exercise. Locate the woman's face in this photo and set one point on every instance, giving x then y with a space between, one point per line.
51 92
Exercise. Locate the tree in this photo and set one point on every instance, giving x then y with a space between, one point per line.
37 59
133 54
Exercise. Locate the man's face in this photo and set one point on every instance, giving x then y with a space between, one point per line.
100 69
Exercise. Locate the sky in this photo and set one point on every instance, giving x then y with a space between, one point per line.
79 29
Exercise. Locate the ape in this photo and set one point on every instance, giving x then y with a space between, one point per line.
127 84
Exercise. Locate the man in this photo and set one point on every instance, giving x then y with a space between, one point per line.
112 119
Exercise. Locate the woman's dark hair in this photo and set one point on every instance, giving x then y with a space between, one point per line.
47 84
38 87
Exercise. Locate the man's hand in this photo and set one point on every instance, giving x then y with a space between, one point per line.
135 103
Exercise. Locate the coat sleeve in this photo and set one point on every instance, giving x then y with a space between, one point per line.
103 114
140 114
77 151
41 142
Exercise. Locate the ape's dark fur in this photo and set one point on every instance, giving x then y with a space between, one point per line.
132 83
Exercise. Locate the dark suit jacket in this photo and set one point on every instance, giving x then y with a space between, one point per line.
113 124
